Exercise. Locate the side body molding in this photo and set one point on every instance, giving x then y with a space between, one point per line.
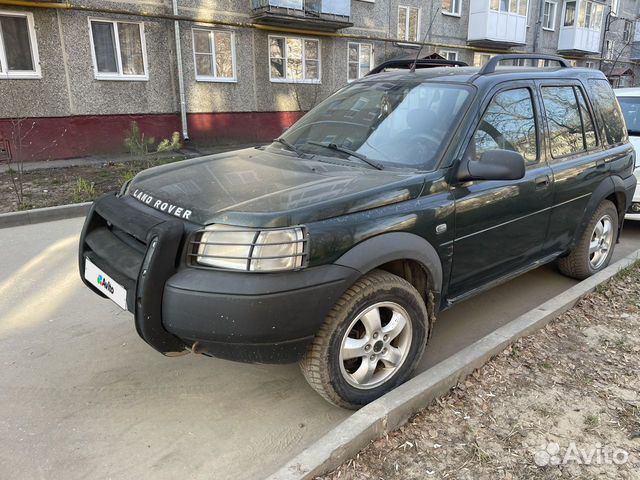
388 247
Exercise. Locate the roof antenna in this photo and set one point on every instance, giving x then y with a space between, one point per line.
424 39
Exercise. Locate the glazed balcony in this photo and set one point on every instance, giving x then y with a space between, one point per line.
581 27
497 23
325 15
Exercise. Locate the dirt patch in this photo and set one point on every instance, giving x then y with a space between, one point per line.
61 186
561 403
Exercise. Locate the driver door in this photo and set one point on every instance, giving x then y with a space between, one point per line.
501 226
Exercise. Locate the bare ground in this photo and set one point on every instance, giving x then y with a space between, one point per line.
561 403
60 186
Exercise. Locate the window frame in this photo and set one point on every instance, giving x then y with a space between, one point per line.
36 73
626 31
453 13
552 19
285 79
573 85
371 61
533 95
406 40
215 78
118 76
444 53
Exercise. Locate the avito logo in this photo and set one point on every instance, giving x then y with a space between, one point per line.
104 283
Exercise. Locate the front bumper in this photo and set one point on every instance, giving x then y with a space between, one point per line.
248 317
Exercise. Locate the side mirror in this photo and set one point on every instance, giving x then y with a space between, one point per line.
493 165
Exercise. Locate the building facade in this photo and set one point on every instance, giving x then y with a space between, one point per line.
75 74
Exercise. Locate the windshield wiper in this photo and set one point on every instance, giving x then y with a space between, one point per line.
289 146
337 148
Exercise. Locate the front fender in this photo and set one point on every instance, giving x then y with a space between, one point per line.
388 247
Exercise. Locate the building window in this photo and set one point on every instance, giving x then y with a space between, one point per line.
614 7
18 46
118 50
452 7
569 14
626 33
590 15
549 17
408 23
589 65
519 7
360 59
214 55
479 59
608 49
449 54
294 59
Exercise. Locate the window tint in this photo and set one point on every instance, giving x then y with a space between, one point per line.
563 120
508 124
607 111
590 138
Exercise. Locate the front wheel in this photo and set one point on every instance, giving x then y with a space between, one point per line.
594 250
370 342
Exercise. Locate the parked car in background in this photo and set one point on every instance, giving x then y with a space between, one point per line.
629 99
337 245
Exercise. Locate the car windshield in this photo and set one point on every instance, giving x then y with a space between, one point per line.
382 123
631 112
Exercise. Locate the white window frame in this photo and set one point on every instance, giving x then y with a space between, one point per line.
371 62
33 42
615 4
479 55
214 78
118 76
445 53
627 31
406 24
552 18
589 64
454 13
304 60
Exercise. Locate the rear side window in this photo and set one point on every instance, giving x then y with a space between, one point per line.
508 124
607 111
563 119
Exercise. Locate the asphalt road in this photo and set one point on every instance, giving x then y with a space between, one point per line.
81 396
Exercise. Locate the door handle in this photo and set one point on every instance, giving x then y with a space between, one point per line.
542 181
600 163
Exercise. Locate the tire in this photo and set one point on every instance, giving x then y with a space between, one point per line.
351 328
581 261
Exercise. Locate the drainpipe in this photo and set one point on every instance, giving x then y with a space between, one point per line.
183 101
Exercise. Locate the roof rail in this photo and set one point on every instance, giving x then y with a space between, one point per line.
420 63
491 65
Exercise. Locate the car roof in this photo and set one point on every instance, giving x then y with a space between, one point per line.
471 75
627 92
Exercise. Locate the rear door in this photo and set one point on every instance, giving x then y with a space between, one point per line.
577 157
501 226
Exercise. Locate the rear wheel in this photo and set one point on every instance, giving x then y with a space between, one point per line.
594 250
370 342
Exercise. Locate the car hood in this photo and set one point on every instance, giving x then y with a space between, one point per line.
258 188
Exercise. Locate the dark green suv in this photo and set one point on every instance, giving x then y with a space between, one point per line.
337 245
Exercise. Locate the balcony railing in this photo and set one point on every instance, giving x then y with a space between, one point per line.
496 23
330 15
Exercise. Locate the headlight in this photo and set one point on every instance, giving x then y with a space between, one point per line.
240 248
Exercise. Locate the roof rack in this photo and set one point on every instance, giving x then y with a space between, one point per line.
420 63
491 65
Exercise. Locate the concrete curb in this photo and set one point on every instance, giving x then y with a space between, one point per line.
40 215
394 409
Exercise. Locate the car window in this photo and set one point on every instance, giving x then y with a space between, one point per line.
607 111
631 111
508 124
563 119
397 124
587 121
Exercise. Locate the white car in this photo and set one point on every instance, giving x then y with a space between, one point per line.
629 99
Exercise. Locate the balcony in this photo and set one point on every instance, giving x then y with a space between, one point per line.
634 53
324 15
497 23
580 29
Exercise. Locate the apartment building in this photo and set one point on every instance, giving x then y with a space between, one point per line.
75 74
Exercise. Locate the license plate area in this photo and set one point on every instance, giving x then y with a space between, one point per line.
103 282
